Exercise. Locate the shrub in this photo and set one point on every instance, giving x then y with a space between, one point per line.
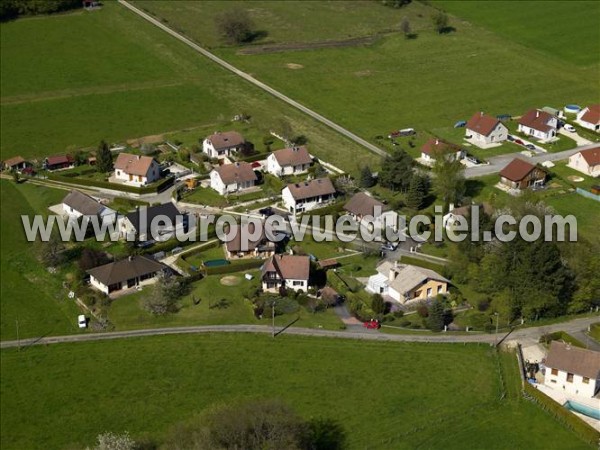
398 313
423 311
483 305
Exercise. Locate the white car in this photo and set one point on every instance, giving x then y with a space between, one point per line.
82 321
570 128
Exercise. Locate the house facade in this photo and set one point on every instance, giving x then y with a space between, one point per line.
136 170
17 164
58 162
77 204
484 130
404 283
286 272
289 161
125 274
538 124
435 148
370 212
308 195
589 117
519 174
223 144
230 178
573 370
586 162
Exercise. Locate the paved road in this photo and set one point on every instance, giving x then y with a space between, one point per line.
497 163
257 83
572 326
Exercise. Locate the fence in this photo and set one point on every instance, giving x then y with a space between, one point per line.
588 194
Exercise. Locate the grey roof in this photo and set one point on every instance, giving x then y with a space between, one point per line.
408 277
579 361
83 203
363 204
312 188
126 269
167 209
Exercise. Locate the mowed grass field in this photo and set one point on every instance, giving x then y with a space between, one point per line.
30 295
429 82
70 80
400 396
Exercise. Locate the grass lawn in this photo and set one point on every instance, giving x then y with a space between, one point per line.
595 331
563 172
584 209
145 385
30 295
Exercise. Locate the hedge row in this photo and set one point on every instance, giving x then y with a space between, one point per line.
238 266
563 415
164 184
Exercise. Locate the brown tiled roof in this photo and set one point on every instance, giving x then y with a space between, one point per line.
312 188
592 115
126 269
239 172
435 146
466 210
133 164
58 159
482 123
578 361
536 119
327 263
516 170
288 266
14 161
293 156
82 203
591 156
226 139
362 204
235 244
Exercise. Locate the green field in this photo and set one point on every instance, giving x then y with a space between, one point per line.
30 295
124 80
64 395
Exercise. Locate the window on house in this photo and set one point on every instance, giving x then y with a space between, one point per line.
298 283
428 292
586 380
554 371
569 377
440 288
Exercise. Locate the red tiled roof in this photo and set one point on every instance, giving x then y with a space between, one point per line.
313 188
293 267
362 204
536 119
58 159
482 123
226 139
133 164
592 115
293 156
239 172
436 146
591 156
516 170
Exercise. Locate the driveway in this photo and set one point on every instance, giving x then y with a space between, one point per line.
578 139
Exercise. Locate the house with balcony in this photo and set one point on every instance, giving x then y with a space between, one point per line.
286 272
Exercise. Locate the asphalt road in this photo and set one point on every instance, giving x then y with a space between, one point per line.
525 334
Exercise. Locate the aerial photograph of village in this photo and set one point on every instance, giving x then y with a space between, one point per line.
299 224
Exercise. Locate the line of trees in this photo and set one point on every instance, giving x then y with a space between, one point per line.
11 9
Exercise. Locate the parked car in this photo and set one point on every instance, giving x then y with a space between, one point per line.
530 146
570 128
473 160
510 138
389 246
268 211
81 321
372 324
460 124
519 141
407 132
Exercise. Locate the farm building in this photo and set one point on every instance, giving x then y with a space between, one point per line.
16 163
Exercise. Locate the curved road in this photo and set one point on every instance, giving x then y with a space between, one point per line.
533 333
255 82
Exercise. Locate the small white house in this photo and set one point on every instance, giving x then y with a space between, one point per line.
286 272
483 130
451 219
371 213
230 178
289 161
308 195
573 370
125 274
538 124
435 147
223 144
589 117
586 162
136 170
77 204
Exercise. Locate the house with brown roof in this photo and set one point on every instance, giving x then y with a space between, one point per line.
573 370
58 162
289 161
538 124
456 215
16 163
136 170
158 222
223 144
128 273
230 178
308 195
286 272
586 161
483 130
589 117
435 148
519 174
76 204
370 212
249 241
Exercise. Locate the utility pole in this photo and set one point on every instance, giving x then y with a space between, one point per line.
496 335
273 318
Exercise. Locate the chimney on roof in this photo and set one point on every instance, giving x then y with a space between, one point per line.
537 113
481 113
437 142
393 274
130 258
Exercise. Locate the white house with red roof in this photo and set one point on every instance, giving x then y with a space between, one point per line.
586 162
484 131
538 124
223 144
286 272
289 161
136 170
230 178
435 147
589 117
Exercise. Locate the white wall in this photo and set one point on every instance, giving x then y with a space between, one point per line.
576 387
101 287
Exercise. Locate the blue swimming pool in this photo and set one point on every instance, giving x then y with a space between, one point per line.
216 263
586 410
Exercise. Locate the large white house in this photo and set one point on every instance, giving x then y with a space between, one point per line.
230 178
289 161
538 124
589 117
573 370
308 195
371 213
136 170
223 144
483 130
125 274
77 204
286 272
586 162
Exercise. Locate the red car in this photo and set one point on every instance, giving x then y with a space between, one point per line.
372 324
519 141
